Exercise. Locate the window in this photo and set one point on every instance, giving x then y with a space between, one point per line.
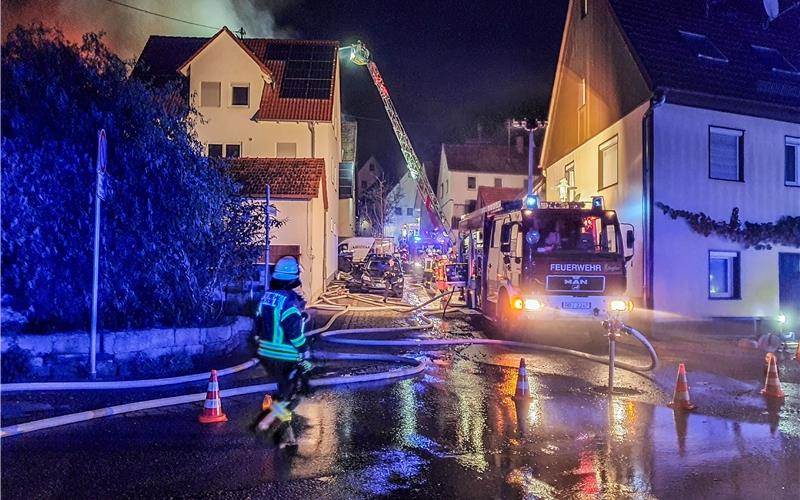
569 174
498 182
215 150
345 180
240 94
371 167
471 206
286 150
725 154
774 60
584 8
398 211
409 211
363 184
471 182
608 164
582 95
723 275
702 47
233 150
209 94
792 162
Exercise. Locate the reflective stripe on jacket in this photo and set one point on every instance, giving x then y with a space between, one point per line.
279 315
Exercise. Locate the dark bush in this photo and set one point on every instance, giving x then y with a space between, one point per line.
16 364
174 228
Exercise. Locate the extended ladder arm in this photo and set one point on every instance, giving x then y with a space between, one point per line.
360 55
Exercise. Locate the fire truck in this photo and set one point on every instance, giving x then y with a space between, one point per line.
534 265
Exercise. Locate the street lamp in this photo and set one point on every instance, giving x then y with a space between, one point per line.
523 124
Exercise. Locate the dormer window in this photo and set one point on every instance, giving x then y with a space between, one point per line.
774 60
240 94
702 47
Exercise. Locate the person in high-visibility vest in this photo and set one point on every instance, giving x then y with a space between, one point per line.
282 346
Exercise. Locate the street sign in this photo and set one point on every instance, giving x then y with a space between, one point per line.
102 159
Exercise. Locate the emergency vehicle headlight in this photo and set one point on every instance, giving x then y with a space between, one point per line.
533 305
517 304
619 305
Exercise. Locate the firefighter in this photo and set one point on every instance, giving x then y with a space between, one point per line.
440 272
282 346
390 277
427 273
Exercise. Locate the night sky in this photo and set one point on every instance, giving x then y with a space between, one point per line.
448 64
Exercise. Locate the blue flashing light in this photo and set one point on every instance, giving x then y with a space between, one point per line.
532 201
417 239
597 202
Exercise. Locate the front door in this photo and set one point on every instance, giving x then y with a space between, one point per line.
789 288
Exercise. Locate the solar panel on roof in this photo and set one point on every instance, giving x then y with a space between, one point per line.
309 71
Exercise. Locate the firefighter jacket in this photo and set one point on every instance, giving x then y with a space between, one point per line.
280 326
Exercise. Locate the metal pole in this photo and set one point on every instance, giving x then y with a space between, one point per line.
612 353
531 154
266 239
95 278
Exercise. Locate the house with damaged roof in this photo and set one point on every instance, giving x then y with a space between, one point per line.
273 108
672 109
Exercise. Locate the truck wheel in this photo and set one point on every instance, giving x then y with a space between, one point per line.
505 322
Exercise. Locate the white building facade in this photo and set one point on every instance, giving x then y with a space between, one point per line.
465 167
265 98
648 143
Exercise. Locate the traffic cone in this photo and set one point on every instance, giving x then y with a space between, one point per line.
680 399
772 385
212 408
266 403
523 391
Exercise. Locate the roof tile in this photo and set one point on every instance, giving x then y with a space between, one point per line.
288 178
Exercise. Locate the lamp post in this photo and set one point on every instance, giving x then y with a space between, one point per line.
523 124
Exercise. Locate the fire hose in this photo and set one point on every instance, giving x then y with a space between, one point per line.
416 366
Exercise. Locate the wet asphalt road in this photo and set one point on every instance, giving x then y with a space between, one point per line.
454 432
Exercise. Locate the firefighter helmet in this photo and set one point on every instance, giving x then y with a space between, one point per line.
286 269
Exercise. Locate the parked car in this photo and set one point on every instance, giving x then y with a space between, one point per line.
373 276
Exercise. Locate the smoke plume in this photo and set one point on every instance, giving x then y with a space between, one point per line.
127 29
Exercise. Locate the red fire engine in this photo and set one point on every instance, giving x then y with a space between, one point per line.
535 264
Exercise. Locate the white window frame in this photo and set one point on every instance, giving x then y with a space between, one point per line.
712 129
475 183
613 142
730 258
790 141
225 149
236 84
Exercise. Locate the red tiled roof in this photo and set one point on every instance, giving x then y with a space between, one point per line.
486 158
274 107
490 194
288 178
165 55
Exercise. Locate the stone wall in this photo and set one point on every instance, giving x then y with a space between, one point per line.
121 354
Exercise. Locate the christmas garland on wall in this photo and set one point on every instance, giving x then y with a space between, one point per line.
758 235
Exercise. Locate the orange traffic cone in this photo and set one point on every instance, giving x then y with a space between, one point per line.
772 385
523 391
266 403
680 399
212 408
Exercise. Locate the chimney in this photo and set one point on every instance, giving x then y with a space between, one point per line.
519 144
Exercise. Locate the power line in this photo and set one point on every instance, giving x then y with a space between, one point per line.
115 2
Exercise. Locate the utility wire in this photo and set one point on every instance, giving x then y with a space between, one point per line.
115 2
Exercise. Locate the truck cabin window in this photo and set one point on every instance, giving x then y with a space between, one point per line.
575 234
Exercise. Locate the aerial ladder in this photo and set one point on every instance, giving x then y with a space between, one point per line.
361 56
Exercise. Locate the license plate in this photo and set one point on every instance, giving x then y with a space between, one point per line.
576 306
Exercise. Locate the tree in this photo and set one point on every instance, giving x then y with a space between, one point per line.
377 204
175 228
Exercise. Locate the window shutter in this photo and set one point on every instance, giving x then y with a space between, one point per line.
724 156
210 94
791 163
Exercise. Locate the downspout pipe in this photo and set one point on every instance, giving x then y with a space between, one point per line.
656 100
